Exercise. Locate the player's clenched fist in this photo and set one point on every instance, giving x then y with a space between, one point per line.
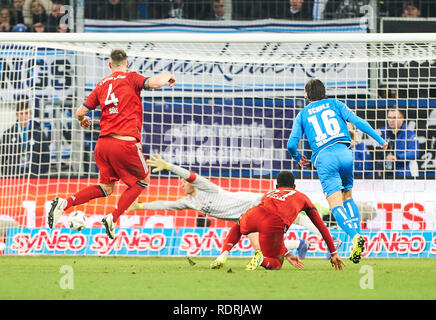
158 81
85 122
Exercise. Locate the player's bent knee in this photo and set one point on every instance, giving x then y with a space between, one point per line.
347 195
272 263
107 188
146 180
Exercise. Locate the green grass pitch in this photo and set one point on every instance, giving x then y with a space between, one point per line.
150 278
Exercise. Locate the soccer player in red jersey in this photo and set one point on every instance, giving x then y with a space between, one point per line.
271 218
118 152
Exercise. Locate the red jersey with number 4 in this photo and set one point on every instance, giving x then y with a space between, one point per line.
119 97
287 203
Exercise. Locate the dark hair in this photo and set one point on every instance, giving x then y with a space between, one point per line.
401 111
22 106
118 56
285 179
315 90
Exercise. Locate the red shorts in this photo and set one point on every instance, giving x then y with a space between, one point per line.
119 159
271 231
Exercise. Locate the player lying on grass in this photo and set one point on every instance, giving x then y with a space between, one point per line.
212 200
324 123
118 152
271 218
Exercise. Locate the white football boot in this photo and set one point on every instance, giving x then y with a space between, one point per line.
109 225
57 209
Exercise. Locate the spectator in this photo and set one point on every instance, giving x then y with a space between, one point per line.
298 10
24 146
17 12
27 10
39 14
54 18
5 20
411 10
217 11
342 9
402 149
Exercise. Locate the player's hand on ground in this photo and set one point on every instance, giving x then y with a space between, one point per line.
86 122
337 262
159 163
303 161
294 260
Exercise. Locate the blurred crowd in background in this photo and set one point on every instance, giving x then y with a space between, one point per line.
49 16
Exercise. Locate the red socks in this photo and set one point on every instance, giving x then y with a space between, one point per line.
85 195
271 263
127 198
232 238
89 193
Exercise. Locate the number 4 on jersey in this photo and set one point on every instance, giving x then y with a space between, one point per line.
111 99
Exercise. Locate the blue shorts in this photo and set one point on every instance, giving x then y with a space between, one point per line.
335 168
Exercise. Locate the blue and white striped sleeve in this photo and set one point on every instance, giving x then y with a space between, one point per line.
360 123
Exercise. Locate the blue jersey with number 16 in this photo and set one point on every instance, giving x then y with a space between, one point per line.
324 124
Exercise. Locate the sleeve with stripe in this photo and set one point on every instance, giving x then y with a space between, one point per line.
197 181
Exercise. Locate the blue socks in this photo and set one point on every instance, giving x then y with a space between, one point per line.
345 221
353 213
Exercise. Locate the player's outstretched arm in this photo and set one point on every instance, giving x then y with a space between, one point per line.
313 215
160 205
360 124
158 81
196 180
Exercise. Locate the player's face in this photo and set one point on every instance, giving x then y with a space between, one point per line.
187 187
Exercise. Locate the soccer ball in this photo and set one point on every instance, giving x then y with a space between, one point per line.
77 220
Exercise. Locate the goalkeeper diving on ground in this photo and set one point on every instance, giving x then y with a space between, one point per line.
214 201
